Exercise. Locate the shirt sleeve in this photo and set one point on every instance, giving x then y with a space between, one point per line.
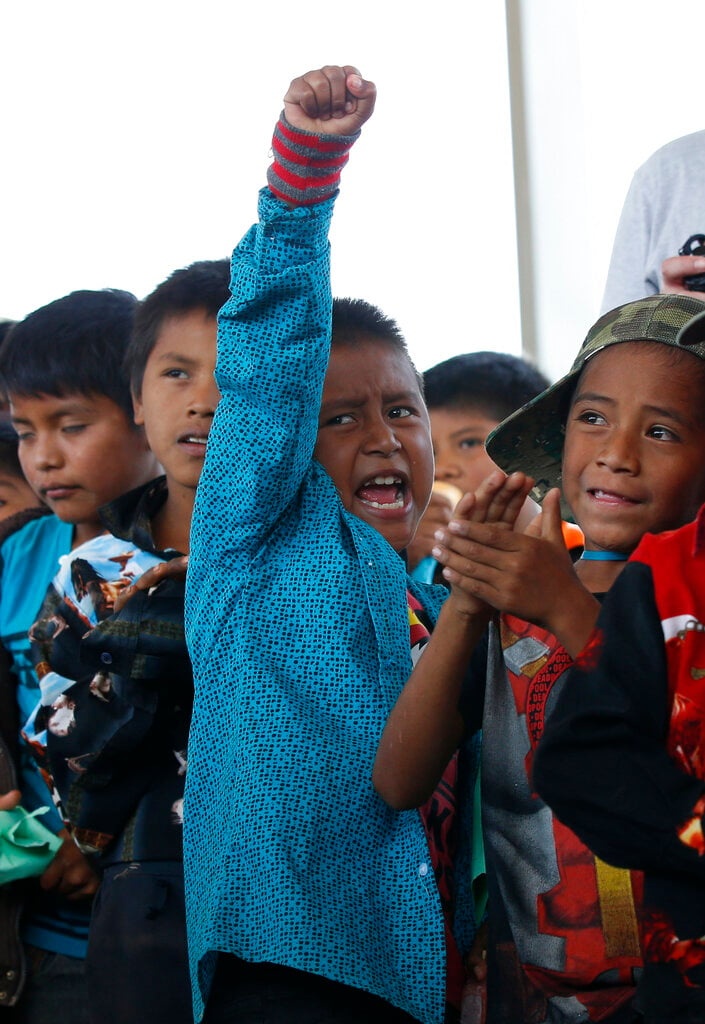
273 345
602 764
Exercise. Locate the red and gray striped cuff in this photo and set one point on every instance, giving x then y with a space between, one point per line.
306 167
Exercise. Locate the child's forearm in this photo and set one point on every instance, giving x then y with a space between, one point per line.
425 726
274 332
573 617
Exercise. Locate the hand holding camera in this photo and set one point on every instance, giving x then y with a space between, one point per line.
685 272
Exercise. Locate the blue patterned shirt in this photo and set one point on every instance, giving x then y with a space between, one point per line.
297 623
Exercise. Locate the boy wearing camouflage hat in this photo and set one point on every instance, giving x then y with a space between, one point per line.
624 436
634 712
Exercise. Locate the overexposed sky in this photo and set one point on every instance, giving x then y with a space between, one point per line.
135 137
608 82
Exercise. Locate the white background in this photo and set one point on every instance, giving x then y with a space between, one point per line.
135 136
608 82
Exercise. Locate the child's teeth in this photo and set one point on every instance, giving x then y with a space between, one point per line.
390 504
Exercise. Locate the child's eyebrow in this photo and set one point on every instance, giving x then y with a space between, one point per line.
70 409
593 396
352 401
655 410
670 414
470 429
405 397
176 357
344 402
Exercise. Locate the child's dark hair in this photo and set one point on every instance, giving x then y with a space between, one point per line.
493 383
5 326
355 318
75 344
201 286
9 460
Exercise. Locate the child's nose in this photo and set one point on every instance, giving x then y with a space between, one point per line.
381 438
45 453
205 397
445 468
620 452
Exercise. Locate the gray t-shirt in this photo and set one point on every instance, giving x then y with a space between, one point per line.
665 204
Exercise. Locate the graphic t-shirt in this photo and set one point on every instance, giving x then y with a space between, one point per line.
564 935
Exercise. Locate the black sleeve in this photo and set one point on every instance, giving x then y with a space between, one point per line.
472 695
602 764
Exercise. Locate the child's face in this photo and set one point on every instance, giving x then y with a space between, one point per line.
79 452
634 455
178 398
459 437
15 494
374 438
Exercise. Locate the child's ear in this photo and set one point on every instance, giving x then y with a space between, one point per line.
138 409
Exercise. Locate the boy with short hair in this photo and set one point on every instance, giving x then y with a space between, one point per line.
116 701
621 760
623 434
467 396
78 447
305 894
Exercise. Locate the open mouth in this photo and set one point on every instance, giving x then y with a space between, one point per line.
611 498
197 440
383 492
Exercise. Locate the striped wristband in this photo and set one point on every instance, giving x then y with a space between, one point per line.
306 167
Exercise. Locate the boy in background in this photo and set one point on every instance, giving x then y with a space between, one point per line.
624 436
78 448
116 708
15 493
467 396
621 761
307 898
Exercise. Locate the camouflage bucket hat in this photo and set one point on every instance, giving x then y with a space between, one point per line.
531 439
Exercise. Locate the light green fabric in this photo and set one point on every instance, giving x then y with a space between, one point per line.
27 846
479 871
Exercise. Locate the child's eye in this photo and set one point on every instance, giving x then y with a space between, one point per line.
661 433
471 442
73 428
591 417
176 373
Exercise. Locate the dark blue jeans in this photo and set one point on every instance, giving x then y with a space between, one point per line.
245 993
55 991
137 965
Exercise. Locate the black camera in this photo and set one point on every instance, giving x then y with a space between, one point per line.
694 246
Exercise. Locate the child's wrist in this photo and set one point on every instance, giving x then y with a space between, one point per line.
471 615
306 167
574 620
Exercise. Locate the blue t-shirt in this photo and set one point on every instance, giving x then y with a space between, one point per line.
29 559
